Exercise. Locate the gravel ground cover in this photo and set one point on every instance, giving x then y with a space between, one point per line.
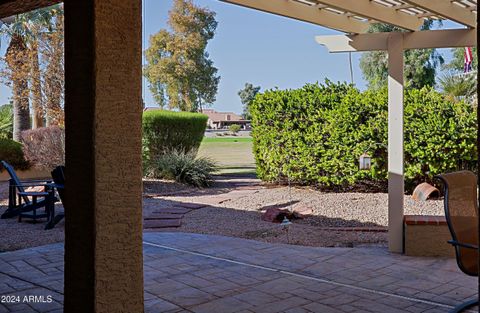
15 235
234 208
239 215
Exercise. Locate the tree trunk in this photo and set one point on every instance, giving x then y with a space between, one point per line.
37 105
17 60
55 76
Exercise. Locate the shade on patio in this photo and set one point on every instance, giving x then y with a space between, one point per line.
103 254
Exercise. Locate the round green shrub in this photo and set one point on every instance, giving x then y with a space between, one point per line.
164 131
11 152
183 167
315 135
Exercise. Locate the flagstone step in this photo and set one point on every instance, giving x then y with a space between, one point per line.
173 210
162 215
148 224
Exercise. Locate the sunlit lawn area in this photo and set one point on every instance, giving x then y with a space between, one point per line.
233 155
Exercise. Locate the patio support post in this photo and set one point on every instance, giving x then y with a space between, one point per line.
103 223
395 142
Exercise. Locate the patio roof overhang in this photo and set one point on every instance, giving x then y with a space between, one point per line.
12 7
354 18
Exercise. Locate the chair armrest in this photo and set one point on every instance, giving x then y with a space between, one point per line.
29 184
46 180
34 194
58 186
463 245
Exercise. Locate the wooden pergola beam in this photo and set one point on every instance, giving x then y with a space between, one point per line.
448 10
11 7
451 38
306 13
369 9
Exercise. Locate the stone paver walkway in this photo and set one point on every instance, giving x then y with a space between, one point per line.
200 273
166 217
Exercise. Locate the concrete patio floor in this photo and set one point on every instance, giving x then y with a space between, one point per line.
200 273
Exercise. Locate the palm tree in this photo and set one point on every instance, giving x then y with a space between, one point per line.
17 62
22 58
458 87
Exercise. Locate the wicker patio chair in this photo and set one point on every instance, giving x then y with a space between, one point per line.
461 213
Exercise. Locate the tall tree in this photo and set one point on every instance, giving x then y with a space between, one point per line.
247 95
17 73
420 64
23 68
179 71
40 23
53 72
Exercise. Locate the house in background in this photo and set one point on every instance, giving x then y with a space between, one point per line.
221 120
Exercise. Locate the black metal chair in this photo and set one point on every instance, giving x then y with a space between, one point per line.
461 213
19 203
58 175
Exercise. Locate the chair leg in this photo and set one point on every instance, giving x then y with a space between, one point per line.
465 306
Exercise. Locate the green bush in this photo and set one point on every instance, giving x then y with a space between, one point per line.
234 128
315 135
183 167
11 152
167 130
6 121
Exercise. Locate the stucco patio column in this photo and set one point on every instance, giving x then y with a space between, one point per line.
395 142
103 244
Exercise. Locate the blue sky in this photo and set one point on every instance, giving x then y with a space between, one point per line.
263 49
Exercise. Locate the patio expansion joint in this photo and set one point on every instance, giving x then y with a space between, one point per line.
293 274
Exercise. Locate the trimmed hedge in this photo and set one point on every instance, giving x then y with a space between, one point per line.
11 152
315 135
165 131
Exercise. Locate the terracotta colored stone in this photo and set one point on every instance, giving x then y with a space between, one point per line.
276 215
162 223
302 209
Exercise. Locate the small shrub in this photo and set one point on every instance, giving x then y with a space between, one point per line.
167 130
234 129
44 147
11 152
6 121
183 167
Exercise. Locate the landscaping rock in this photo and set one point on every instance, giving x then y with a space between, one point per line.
276 215
303 210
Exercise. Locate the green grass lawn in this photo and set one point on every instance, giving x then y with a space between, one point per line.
233 155
226 139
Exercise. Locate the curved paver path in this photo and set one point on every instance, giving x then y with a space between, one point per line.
200 273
